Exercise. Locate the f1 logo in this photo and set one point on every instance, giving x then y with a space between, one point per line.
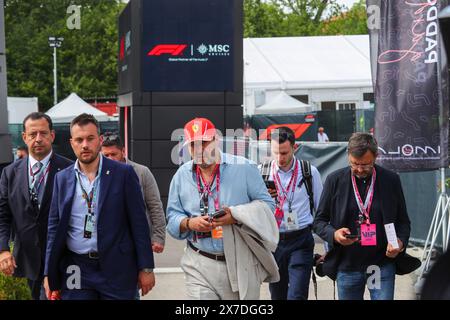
173 49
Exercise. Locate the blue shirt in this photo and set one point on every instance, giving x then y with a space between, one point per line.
300 201
240 183
76 241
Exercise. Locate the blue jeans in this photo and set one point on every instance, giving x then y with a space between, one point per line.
351 284
295 259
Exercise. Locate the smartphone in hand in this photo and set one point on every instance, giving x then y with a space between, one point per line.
218 214
270 184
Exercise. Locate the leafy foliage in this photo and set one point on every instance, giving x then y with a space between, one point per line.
288 18
14 288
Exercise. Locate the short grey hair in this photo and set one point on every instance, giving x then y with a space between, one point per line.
361 142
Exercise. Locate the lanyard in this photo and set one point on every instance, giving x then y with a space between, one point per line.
204 189
37 183
90 198
281 191
364 207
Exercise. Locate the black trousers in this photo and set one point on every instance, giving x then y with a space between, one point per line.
37 289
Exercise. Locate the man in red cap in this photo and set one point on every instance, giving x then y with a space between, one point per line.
204 203
200 132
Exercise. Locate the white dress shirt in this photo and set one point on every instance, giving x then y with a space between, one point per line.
300 202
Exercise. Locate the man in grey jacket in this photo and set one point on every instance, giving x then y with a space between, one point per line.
113 149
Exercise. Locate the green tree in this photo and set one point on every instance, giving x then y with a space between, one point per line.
271 18
350 22
304 17
86 61
262 19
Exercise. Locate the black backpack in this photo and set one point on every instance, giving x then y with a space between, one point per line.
307 180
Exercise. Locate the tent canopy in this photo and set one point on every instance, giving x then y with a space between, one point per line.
66 110
283 104
307 62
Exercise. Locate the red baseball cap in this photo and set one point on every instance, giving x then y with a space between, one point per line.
199 129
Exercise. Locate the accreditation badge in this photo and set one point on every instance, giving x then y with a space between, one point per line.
217 233
291 221
368 234
89 225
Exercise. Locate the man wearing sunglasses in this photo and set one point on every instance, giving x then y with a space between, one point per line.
358 204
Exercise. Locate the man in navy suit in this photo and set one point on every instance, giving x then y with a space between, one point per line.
26 187
98 239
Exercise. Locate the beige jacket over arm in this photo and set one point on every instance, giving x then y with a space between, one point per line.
248 248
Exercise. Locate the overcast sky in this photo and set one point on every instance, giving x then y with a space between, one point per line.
348 3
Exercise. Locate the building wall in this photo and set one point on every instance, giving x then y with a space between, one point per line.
253 97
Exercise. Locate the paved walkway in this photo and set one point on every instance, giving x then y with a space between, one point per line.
170 278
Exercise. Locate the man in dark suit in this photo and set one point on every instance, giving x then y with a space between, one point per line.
356 206
25 193
98 238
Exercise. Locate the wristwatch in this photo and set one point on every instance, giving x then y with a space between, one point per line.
147 270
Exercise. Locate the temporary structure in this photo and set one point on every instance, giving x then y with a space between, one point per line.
66 110
283 103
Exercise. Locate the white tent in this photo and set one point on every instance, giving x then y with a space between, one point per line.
72 106
19 108
307 62
283 104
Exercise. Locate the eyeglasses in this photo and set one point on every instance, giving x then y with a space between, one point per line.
362 166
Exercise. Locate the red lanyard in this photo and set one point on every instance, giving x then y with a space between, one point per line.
364 207
206 189
283 193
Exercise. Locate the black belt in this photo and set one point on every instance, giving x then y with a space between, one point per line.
90 255
294 234
206 254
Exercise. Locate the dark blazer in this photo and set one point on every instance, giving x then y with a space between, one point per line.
29 223
124 244
332 210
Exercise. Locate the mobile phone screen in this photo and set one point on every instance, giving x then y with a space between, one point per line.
218 214
270 184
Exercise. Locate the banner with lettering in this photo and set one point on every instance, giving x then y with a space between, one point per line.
409 68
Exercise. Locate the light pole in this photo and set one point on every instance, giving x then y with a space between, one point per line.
54 43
